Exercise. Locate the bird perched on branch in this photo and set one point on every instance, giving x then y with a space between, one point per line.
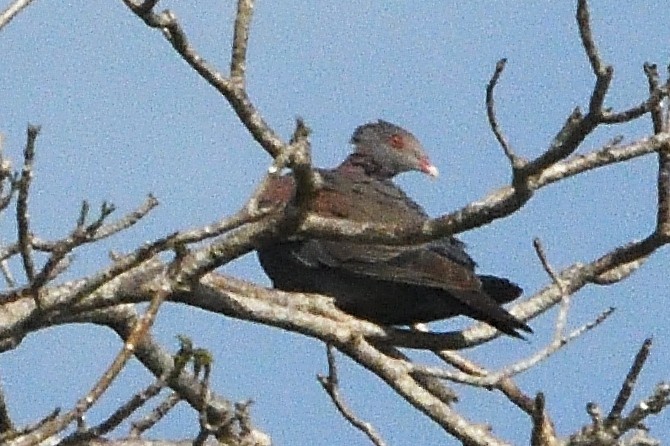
390 285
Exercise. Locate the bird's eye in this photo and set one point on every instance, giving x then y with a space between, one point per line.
397 141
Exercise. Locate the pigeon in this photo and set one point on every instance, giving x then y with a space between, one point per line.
385 284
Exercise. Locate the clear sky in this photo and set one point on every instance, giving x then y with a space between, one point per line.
123 116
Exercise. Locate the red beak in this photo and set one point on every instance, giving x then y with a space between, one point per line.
428 168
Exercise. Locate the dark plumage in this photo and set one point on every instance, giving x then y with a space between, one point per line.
392 285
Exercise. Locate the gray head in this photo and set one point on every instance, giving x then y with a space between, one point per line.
389 150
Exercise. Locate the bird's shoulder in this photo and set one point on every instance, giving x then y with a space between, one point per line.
358 197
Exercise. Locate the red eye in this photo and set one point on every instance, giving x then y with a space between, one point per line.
397 141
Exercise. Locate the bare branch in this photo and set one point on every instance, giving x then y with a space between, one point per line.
236 96
506 385
651 71
616 428
584 22
157 414
397 374
144 7
6 176
23 219
543 433
654 404
12 11
513 393
602 71
497 204
652 105
78 290
491 379
236 220
629 383
30 428
7 274
574 278
96 231
562 319
663 191
331 385
565 142
619 273
516 162
58 261
555 345
139 331
240 39
142 276
160 363
127 409
610 154
248 237
99 231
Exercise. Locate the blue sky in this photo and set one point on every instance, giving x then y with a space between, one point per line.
123 116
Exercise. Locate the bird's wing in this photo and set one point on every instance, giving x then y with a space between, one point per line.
439 264
409 265
419 267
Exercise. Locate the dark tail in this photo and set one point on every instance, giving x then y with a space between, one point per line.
499 289
480 306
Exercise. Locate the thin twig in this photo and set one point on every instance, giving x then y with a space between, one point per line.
651 71
602 71
607 155
556 345
95 281
6 176
232 245
506 385
118 416
236 96
83 234
331 385
124 264
7 274
236 220
122 320
543 433
629 383
238 58
654 404
140 329
12 11
493 378
516 162
663 176
103 231
398 375
157 414
584 22
610 117
4 439
85 403
562 318
99 231
203 417
23 219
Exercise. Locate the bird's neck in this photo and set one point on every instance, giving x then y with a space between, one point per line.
364 163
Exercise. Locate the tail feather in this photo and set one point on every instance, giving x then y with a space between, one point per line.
480 306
